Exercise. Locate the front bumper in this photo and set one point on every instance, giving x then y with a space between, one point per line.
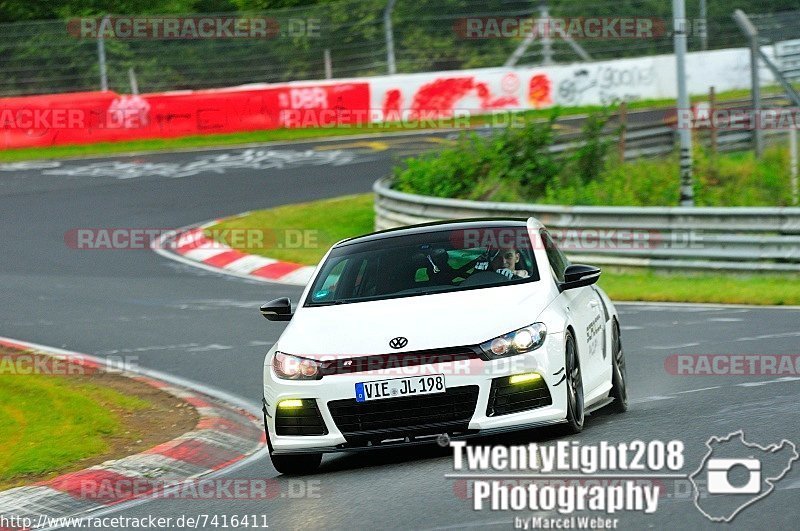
474 374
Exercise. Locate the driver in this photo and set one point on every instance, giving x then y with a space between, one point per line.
507 262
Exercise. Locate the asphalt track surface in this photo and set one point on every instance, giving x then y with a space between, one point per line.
206 327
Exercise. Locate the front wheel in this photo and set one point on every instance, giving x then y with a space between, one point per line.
619 377
296 464
574 383
292 464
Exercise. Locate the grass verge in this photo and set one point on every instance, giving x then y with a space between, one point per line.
778 290
279 135
302 233
335 219
65 420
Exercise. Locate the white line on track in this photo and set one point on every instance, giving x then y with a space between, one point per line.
767 382
672 347
236 147
656 398
710 306
770 336
698 390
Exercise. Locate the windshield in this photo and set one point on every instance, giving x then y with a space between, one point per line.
421 264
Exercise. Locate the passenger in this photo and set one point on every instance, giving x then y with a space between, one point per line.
508 262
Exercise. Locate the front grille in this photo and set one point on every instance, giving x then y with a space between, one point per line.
505 397
408 416
305 420
397 360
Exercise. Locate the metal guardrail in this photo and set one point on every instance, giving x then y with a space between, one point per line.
653 132
743 239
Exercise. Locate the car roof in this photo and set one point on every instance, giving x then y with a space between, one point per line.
437 226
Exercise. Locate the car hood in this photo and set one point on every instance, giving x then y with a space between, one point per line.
459 318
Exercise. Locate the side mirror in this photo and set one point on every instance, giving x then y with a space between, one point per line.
278 309
578 275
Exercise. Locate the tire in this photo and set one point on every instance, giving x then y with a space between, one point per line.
292 464
296 464
573 386
619 375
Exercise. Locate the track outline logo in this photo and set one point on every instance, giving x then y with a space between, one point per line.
707 459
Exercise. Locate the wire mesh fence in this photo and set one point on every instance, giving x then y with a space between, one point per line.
782 31
353 36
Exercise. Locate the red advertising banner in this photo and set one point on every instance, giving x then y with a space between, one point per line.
89 117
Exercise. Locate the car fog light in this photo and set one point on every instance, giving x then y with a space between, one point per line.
524 378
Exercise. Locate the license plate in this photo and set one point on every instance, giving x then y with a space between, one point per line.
399 387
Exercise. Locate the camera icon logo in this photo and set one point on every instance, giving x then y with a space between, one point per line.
719 480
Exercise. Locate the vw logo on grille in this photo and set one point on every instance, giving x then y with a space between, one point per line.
398 342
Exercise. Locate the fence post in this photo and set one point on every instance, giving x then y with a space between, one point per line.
684 129
387 27
793 163
712 104
755 83
623 129
101 53
328 64
547 41
703 26
134 83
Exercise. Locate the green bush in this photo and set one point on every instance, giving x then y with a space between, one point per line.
515 164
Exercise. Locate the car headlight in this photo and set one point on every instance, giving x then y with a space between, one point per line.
516 342
289 367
